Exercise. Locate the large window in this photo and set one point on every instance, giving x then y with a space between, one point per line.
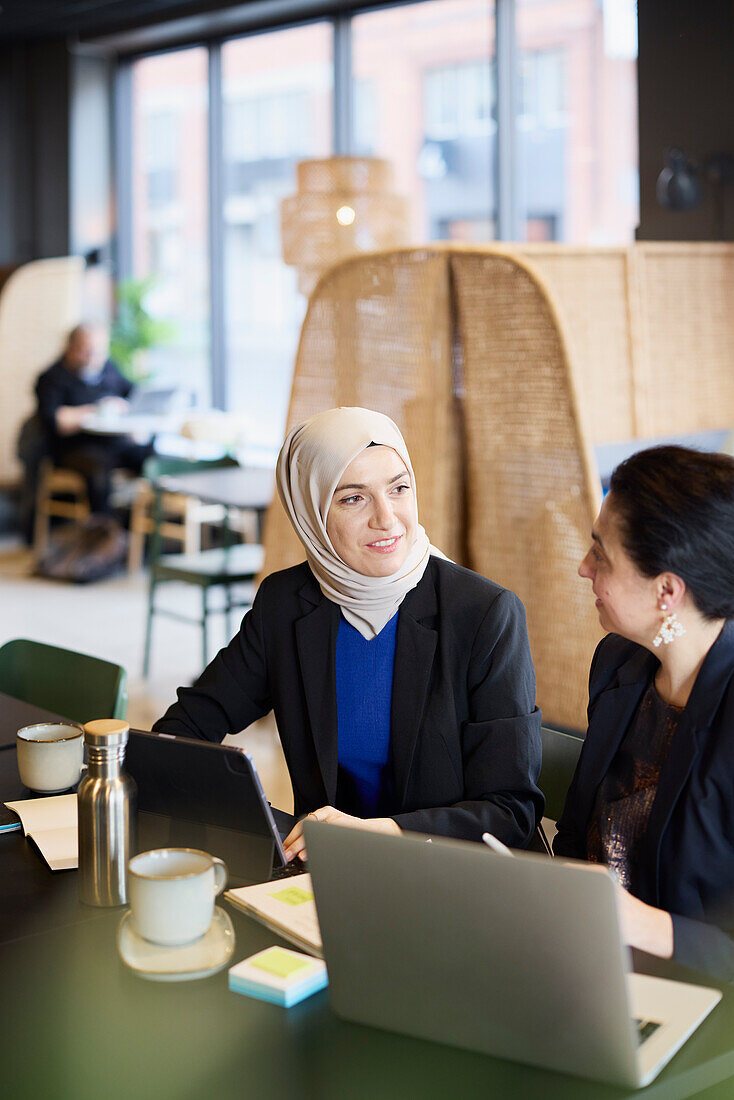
425 80
170 209
543 100
577 123
277 96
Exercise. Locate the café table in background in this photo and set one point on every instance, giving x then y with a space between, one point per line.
141 427
249 488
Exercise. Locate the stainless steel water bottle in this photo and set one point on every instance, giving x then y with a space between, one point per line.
106 803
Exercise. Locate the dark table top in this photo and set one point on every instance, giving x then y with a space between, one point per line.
33 899
79 1025
14 714
232 486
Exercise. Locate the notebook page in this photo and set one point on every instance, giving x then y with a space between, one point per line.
57 811
285 904
52 824
59 847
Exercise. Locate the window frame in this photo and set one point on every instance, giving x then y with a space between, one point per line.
288 14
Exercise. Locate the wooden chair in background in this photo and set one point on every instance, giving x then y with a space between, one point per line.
182 517
223 567
61 493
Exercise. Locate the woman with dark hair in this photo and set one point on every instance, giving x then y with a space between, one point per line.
653 793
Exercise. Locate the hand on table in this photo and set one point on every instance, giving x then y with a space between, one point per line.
642 926
113 405
295 845
69 418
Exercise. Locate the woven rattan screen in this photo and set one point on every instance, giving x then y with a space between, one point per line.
557 347
649 334
590 288
531 491
684 357
378 334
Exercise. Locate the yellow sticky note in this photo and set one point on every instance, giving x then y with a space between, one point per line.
280 962
293 895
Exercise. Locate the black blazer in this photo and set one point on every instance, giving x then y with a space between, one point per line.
465 743
58 386
686 860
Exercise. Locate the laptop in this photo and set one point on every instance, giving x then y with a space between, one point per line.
152 401
519 958
197 794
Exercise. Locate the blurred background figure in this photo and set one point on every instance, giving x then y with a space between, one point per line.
84 381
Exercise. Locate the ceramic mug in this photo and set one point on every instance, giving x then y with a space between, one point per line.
50 756
172 892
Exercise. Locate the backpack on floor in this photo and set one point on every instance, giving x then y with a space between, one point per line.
84 552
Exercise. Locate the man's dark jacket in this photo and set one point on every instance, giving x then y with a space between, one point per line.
58 387
465 733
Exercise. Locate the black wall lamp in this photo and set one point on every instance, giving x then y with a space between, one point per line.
680 185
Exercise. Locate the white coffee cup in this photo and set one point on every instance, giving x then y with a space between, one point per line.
172 892
50 756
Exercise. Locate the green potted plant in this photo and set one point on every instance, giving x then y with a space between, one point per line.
135 331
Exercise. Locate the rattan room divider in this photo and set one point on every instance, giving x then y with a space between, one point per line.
503 365
378 333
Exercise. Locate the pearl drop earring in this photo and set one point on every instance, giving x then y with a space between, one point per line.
670 628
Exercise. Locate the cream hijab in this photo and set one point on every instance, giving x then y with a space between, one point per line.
310 464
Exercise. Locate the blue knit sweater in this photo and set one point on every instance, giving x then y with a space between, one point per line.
364 671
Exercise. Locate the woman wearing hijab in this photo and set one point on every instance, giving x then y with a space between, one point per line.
402 684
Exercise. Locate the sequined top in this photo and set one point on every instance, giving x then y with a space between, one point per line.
626 794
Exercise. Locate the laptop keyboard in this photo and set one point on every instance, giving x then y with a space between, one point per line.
645 1028
295 867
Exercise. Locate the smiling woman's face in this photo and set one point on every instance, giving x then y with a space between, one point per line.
372 517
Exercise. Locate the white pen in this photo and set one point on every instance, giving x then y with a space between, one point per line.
496 845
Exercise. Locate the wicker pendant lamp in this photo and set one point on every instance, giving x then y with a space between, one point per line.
344 205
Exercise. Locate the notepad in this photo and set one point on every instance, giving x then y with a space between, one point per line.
286 907
51 823
278 975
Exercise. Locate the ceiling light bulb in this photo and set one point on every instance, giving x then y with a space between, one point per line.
345 215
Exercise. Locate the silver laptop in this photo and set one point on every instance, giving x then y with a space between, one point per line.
520 958
155 401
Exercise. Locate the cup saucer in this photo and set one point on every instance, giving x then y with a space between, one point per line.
159 963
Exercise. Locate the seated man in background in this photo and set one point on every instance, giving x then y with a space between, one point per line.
68 392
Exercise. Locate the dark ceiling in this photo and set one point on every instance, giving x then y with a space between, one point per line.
59 18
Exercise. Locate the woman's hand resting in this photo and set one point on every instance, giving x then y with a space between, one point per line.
295 845
642 926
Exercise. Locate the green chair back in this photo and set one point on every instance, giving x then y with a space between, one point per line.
162 465
560 756
72 685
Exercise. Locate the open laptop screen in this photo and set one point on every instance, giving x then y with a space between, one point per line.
197 794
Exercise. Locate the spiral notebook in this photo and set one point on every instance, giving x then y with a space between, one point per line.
286 907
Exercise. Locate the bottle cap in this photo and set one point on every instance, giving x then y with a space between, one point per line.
106 731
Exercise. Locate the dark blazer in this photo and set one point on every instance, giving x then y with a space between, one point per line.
58 387
686 860
465 733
